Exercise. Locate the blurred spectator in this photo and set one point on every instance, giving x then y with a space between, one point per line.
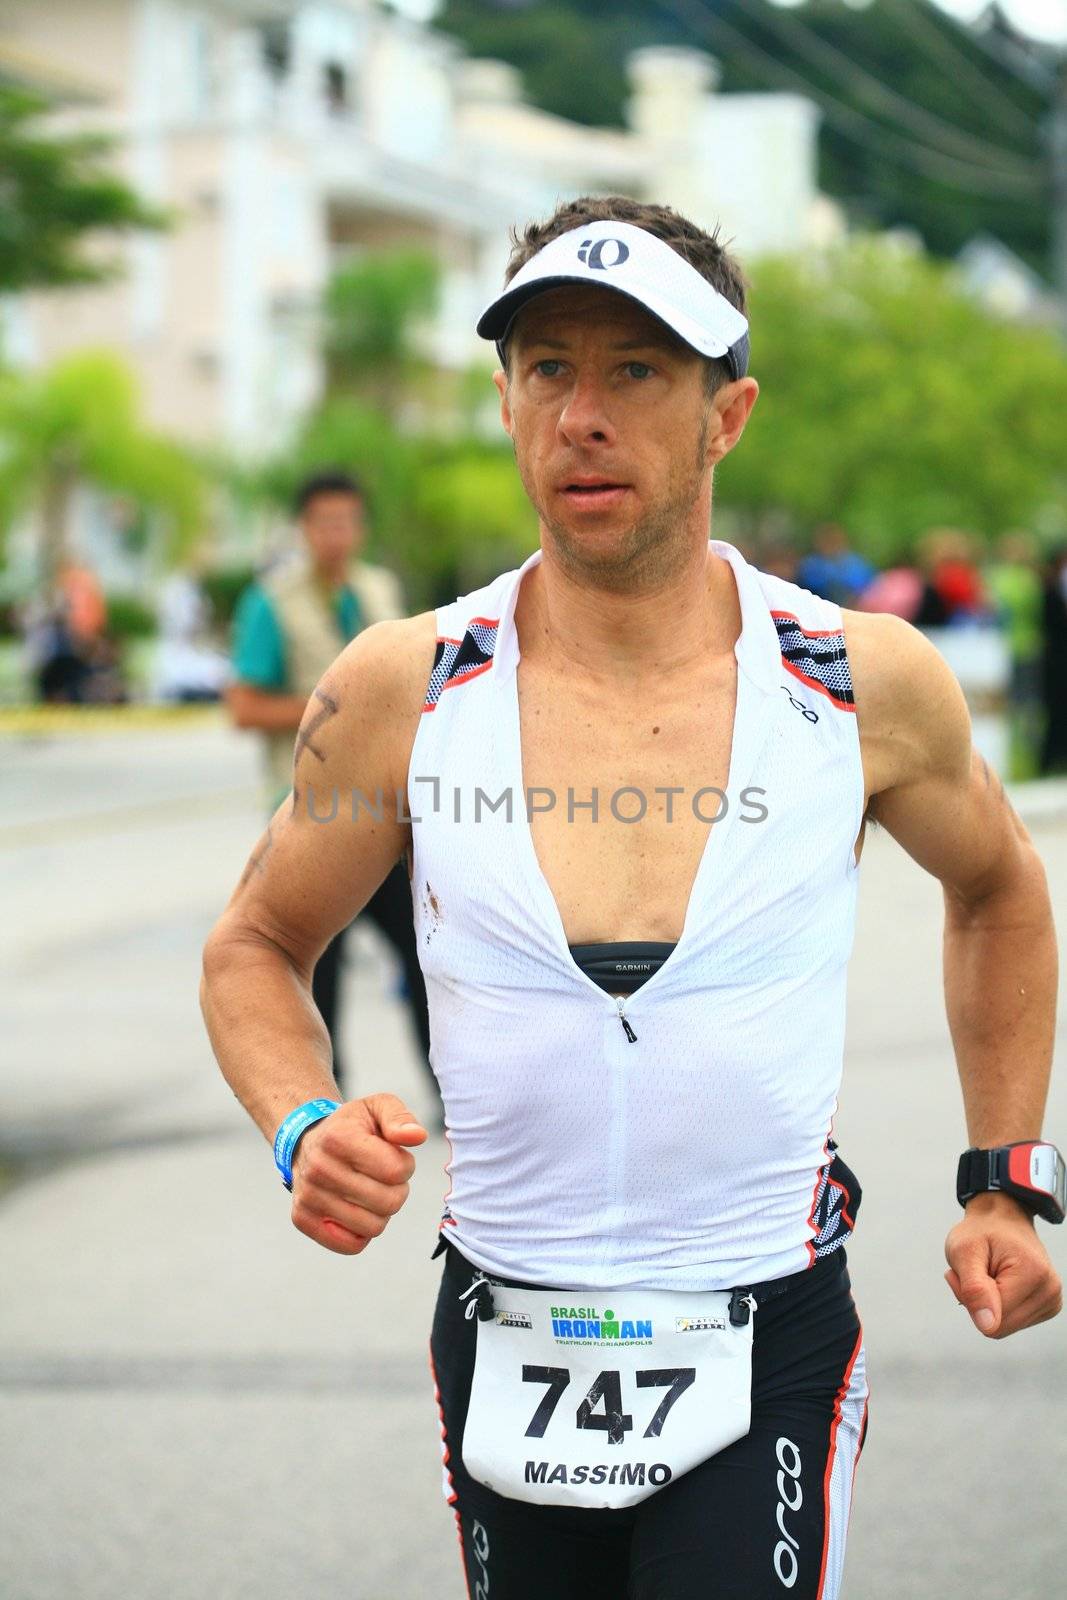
958 596
288 629
899 590
778 558
69 654
1054 663
1014 587
187 667
832 569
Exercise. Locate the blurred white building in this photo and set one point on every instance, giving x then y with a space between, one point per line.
284 135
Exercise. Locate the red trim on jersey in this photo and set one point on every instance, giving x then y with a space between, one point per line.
841 1393
450 683
446 638
811 633
487 622
815 1192
813 683
842 1188
465 677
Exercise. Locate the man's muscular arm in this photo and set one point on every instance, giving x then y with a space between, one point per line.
942 803
305 881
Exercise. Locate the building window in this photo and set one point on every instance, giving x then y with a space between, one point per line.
274 41
335 83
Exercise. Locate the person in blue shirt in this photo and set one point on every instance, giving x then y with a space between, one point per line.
831 569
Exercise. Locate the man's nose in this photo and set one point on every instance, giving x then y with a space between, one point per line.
585 417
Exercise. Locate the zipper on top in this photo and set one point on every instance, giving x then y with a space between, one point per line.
620 1001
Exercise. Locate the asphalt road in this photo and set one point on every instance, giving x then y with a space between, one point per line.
195 1401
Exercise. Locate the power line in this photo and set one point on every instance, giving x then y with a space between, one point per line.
820 52
916 16
1014 58
852 124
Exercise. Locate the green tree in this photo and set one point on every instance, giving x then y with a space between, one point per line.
371 310
56 191
891 401
77 423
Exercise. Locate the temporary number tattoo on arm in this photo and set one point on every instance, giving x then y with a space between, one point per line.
258 856
990 777
329 708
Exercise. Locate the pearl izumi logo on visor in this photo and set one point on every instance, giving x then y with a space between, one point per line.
593 252
630 261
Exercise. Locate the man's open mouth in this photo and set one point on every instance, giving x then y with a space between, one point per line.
592 492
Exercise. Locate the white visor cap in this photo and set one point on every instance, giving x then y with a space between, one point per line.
620 256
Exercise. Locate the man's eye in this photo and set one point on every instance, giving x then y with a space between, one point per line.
638 369
543 367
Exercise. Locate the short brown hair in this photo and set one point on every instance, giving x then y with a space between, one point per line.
704 251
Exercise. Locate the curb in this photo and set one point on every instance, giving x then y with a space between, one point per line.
37 720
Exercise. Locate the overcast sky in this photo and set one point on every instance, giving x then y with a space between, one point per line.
1044 19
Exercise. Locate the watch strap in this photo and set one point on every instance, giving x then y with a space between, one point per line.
977 1173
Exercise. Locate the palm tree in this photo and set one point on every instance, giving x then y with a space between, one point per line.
77 423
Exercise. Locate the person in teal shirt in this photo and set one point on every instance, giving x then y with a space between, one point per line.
259 643
288 628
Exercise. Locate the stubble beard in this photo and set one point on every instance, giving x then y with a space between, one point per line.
645 555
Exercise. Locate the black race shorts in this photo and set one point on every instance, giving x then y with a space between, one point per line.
764 1519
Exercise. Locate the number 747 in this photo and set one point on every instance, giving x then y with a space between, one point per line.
607 1387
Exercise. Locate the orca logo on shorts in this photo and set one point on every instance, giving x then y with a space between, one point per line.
480 1541
785 1561
592 253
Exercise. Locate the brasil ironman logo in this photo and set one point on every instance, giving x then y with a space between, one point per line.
584 1322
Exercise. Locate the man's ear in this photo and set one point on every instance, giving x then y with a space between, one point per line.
500 378
733 403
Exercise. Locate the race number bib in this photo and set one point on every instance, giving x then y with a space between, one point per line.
600 1400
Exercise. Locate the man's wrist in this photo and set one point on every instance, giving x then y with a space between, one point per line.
995 1202
292 1129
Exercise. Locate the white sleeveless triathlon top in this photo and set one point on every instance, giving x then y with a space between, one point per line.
693 1156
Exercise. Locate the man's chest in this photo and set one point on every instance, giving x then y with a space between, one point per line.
622 791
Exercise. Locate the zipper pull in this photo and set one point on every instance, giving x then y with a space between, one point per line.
630 1034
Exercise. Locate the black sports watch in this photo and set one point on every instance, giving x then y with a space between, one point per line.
1031 1171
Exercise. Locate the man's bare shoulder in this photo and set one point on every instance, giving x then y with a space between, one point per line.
395 655
910 710
376 689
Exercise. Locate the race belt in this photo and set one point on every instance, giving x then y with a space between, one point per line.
600 1399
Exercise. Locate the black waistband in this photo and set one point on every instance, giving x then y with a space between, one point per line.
623 966
769 1289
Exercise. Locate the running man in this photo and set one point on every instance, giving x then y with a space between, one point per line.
633 781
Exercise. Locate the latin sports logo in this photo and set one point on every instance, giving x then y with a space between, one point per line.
514 1319
591 252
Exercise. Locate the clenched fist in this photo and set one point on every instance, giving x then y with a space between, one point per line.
351 1172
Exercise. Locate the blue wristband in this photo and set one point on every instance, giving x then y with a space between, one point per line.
296 1123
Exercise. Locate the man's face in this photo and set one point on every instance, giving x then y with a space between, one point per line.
614 433
332 524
